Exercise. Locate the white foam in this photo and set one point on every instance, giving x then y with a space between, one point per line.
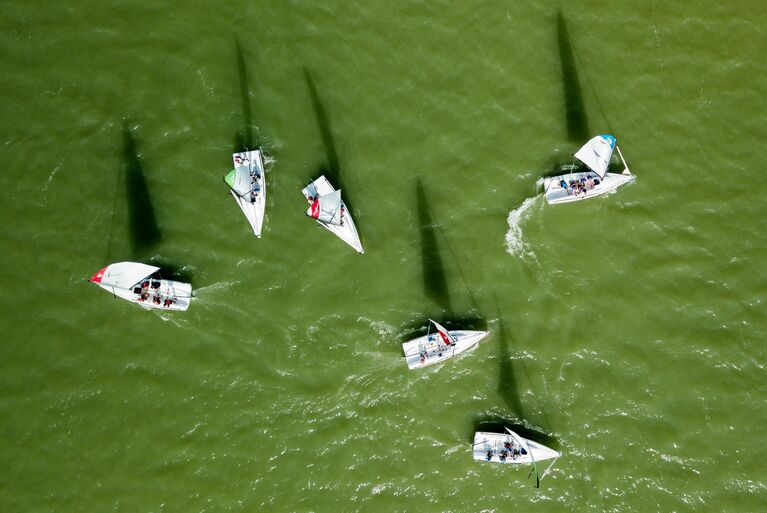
515 245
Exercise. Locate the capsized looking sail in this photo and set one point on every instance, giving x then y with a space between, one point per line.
327 208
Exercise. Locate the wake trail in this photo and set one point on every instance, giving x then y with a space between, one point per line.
515 244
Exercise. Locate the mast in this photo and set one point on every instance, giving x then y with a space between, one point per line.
530 452
626 166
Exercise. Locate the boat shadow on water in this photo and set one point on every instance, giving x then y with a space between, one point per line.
575 110
331 167
142 222
508 386
171 271
435 285
245 139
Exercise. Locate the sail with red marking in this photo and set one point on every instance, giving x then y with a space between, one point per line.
327 208
96 278
447 339
123 275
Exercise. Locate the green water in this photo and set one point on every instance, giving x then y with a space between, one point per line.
626 331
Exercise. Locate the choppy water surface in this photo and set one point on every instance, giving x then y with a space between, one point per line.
627 331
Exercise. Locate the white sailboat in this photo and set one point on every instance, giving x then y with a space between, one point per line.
580 185
511 448
327 208
437 347
248 186
143 285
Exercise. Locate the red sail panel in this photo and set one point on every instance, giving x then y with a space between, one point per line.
96 278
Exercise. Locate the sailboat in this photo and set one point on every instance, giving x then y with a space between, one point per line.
509 447
143 285
437 347
580 185
329 210
248 186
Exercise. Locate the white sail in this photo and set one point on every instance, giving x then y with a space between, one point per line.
123 275
446 337
596 153
327 208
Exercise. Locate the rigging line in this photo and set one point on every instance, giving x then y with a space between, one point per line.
114 207
593 90
458 266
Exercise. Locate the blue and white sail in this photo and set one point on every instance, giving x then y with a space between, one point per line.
596 153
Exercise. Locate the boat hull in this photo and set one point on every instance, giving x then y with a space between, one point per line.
435 351
254 210
181 292
556 194
347 232
490 445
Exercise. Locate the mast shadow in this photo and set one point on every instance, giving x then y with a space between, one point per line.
332 167
245 139
434 281
575 111
508 387
144 231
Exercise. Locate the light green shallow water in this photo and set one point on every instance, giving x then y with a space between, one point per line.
627 331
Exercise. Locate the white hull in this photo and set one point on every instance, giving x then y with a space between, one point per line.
556 194
180 292
347 232
429 349
254 210
141 284
491 446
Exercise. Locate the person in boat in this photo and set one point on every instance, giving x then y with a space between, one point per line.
156 299
502 456
563 184
144 296
168 301
489 455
